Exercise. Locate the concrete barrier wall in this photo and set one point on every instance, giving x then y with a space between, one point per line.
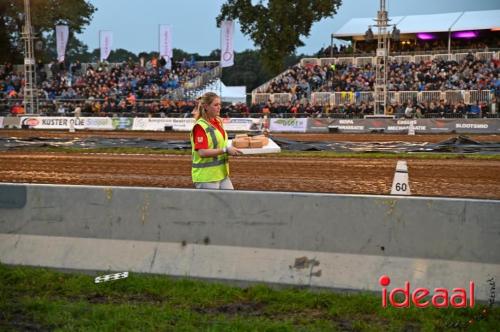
326 240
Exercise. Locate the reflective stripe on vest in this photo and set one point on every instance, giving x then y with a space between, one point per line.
211 163
210 169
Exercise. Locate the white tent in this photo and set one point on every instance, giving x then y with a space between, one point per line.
444 22
229 94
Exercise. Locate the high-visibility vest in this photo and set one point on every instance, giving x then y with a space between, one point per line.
210 169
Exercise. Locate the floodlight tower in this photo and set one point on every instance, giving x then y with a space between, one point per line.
30 92
381 57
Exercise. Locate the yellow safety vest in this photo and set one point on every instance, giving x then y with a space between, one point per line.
210 169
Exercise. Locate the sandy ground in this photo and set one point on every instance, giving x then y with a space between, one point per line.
447 178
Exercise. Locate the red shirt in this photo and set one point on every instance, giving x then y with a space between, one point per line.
200 137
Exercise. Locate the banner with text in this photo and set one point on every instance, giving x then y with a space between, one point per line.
62 34
427 126
52 122
166 42
106 43
298 125
226 40
186 124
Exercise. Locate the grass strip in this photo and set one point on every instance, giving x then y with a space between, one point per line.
43 299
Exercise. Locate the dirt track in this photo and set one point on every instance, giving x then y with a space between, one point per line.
451 178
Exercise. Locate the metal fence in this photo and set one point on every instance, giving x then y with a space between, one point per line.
451 96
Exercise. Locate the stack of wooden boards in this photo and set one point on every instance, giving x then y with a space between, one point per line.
243 141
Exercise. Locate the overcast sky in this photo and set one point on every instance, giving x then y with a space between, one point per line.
135 22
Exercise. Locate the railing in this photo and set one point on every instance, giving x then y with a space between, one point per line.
435 51
399 58
195 84
339 98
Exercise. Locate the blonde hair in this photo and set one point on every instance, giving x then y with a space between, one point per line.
203 101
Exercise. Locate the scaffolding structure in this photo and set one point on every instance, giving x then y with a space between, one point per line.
382 55
30 91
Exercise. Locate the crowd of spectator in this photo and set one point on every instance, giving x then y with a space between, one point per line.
143 88
435 75
124 83
408 109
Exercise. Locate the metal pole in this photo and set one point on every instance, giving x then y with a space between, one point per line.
381 57
331 45
449 42
30 92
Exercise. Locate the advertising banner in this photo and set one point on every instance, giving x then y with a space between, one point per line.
62 34
166 42
237 124
106 43
51 122
153 124
297 125
428 126
226 40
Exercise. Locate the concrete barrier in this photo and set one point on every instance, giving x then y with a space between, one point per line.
323 240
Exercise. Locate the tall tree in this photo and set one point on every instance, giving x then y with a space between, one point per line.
45 14
277 28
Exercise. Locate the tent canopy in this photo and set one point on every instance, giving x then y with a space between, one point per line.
456 21
228 94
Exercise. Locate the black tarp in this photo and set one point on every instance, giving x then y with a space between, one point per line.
459 144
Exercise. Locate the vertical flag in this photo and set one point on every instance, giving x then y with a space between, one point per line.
226 41
166 44
106 42
62 34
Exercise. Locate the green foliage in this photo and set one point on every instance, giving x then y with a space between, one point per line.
277 28
45 15
122 55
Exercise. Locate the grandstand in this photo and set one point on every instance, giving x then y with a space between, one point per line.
102 88
424 76
337 83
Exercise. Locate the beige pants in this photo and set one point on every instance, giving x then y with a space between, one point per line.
224 184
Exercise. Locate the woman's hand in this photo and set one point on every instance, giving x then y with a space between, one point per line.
231 150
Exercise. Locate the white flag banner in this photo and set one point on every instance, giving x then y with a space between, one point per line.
106 42
62 34
166 41
226 48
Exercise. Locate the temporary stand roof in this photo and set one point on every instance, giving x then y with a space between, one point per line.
446 22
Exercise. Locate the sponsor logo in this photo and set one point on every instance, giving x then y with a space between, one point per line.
121 123
398 128
32 122
420 296
472 125
296 123
351 127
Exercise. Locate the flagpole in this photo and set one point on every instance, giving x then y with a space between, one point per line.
100 46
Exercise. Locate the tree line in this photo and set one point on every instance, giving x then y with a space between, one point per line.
276 28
